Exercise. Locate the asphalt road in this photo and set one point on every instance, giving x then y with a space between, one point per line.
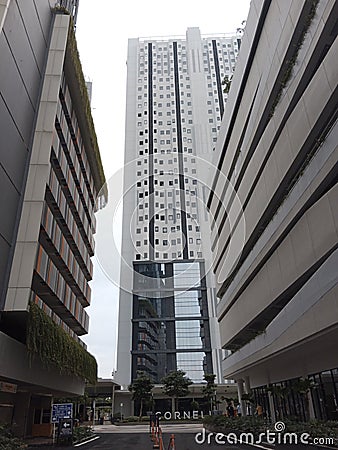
136 437
132 441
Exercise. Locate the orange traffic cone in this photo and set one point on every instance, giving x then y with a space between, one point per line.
157 441
153 432
171 445
160 439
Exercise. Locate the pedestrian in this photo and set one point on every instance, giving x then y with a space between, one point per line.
239 410
231 410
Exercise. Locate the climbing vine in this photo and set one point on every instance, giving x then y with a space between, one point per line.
73 54
56 348
290 63
73 51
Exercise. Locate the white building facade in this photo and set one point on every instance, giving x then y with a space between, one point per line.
175 102
277 146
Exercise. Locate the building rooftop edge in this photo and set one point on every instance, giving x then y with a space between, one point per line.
183 36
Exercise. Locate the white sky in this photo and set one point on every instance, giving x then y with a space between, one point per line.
103 29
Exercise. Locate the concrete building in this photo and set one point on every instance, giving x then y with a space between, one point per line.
175 101
277 149
50 176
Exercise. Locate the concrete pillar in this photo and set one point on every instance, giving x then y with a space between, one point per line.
113 401
247 385
94 411
20 414
240 392
311 407
272 407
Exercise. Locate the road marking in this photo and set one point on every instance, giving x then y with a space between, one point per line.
87 442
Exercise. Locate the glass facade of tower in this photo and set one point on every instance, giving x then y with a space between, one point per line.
170 320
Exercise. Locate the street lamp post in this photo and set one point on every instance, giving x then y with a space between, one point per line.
121 406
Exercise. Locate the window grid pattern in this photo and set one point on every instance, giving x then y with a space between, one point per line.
167 200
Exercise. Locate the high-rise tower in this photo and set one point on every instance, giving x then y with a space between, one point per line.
175 102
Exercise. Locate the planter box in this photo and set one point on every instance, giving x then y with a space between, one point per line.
42 430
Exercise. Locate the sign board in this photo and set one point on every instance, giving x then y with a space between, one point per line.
65 428
62 411
8 387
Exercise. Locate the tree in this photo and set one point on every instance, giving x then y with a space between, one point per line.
302 387
209 390
227 84
176 385
194 405
280 393
141 389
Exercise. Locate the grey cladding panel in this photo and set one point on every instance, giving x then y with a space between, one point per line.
4 256
37 27
14 93
9 200
22 53
13 152
43 9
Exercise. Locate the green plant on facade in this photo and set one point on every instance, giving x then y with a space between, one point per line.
289 64
61 10
227 84
74 54
56 348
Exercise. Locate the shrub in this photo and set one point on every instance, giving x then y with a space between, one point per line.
226 424
257 425
8 441
81 433
131 419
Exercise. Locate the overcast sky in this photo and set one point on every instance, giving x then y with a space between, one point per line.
103 29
